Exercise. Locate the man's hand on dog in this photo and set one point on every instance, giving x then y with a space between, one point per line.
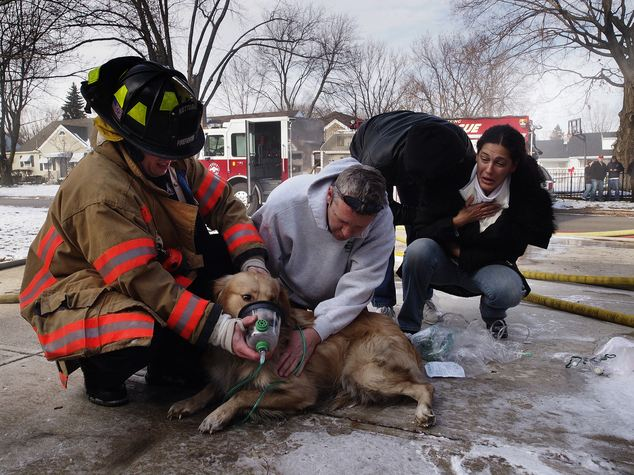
293 353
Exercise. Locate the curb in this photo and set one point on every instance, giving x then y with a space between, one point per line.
597 211
10 264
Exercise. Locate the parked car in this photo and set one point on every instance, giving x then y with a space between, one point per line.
548 183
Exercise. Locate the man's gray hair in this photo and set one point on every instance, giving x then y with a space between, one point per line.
365 185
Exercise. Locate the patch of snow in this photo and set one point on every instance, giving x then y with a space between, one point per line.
581 204
22 191
521 459
19 227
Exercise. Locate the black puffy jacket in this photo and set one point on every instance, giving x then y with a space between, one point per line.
411 150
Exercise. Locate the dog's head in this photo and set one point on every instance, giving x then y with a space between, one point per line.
236 291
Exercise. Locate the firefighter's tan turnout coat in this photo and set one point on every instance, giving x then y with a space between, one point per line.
92 282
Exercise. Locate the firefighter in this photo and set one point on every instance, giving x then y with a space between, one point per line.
119 275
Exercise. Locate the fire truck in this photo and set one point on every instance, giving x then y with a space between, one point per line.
475 126
256 152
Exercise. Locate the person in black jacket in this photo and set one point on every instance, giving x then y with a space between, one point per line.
472 229
397 143
614 169
598 170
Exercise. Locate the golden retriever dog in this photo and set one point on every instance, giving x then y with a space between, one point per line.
368 361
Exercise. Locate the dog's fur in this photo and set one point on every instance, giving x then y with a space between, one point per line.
369 360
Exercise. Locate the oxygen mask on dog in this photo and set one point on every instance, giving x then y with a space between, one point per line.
265 333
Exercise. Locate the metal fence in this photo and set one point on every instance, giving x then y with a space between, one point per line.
572 185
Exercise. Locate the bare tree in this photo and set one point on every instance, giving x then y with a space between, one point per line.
154 28
26 59
316 48
374 82
600 119
463 76
242 88
34 119
544 29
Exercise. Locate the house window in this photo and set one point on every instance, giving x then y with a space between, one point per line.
41 167
54 167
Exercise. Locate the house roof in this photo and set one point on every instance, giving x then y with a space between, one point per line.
80 127
346 119
587 145
555 148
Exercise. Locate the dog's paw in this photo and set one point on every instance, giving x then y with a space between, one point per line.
180 409
212 423
425 418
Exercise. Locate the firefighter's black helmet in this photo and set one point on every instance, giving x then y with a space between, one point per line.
149 105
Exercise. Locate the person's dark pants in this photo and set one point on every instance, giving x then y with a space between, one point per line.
168 353
385 293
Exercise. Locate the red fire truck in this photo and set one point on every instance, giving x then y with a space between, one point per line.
475 126
256 152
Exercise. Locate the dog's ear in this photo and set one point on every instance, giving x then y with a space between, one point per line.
282 299
218 285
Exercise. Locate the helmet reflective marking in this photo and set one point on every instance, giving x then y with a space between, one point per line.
169 101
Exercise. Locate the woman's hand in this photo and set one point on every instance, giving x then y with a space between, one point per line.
471 213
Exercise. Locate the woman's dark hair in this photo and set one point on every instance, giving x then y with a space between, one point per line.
513 141
507 137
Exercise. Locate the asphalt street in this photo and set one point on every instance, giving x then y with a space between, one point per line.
581 223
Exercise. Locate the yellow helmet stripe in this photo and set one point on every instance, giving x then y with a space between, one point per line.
169 101
120 95
138 113
93 75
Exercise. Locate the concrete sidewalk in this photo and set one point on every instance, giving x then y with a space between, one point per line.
532 415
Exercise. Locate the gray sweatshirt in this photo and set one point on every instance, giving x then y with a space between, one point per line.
335 278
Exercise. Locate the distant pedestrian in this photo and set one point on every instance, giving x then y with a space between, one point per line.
630 172
598 170
588 182
615 169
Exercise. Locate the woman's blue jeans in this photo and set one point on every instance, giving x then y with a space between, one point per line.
426 265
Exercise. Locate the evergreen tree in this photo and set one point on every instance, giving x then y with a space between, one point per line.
73 108
557 133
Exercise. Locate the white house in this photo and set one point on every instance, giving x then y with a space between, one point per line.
49 156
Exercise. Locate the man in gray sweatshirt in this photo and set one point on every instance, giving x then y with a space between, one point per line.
329 238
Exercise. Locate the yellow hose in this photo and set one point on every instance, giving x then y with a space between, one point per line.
9 298
604 281
581 309
615 233
571 307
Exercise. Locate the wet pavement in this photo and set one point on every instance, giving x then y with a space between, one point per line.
530 415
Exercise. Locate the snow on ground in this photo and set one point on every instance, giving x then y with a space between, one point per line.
26 191
581 204
18 228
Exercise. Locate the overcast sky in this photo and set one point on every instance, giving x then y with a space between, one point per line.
399 23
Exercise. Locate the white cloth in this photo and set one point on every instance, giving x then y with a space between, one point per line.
500 195
222 335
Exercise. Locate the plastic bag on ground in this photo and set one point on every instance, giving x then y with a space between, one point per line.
469 344
623 361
